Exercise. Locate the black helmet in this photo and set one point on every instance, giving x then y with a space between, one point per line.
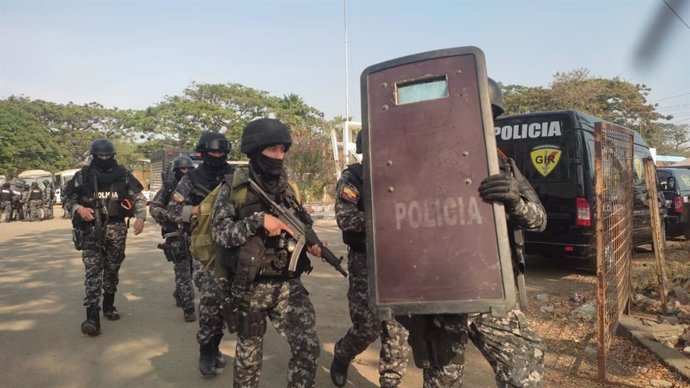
34 185
182 162
358 143
496 97
262 133
102 146
212 141
6 185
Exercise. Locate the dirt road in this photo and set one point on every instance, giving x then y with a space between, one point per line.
41 292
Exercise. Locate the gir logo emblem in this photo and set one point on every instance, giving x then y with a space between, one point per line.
545 158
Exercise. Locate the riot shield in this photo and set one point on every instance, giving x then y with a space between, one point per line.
433 246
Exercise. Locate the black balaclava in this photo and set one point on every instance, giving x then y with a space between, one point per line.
178 175
213 163
103 165
269 172
266 165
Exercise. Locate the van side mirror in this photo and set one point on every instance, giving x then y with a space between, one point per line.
671 183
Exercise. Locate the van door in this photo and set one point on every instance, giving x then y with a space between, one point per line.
552 156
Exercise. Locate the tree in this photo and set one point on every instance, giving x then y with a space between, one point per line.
25 141
614 100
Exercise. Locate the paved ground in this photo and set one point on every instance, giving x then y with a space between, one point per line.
41 291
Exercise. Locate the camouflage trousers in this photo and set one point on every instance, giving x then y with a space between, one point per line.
287 305
35 210
48 210
6 209
178 254
513 350
212 291
366 327
102 265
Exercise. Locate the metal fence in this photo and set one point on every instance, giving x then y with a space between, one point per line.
613 224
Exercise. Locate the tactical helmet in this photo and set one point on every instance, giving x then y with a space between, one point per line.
34 185
6 185
212 141
358 143
262 133
182 162
496 97
102 146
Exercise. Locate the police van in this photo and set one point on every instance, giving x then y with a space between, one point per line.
555 152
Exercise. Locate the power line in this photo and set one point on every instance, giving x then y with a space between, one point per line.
676 13
668 98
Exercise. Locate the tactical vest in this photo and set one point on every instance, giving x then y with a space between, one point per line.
203 182
36 195
113 192
276 256
356 240
5 195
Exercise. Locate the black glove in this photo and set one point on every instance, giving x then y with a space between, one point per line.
500 188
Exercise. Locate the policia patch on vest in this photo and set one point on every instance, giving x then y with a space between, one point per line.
349 193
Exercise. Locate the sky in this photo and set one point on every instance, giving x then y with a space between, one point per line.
131 54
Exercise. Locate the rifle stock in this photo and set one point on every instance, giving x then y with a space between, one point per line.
304 233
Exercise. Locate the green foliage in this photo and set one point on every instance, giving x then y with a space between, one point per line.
25 141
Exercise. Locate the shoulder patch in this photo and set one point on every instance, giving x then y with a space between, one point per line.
349 193
177 197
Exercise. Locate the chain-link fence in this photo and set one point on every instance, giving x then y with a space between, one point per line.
613 223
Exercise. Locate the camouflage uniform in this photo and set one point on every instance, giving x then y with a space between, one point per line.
176 249
210 318
24 203
35 203
283 299
514 351
49 198
366 327
102 263
6 195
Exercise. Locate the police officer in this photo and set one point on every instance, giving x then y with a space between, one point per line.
17 206
106 192
24 202
35 202
176 248
6 201
262 285
366 327
49 199
511 347
183 206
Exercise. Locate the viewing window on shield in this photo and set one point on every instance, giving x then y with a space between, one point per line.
422 90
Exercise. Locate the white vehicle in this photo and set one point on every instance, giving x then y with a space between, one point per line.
38 176
61 179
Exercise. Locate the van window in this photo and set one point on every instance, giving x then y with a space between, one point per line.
683 180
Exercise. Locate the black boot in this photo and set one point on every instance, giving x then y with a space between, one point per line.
109 311
92 325
219 358
207 365
189 315
339 372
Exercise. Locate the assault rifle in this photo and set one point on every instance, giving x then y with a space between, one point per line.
98 230
517 247
299 221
